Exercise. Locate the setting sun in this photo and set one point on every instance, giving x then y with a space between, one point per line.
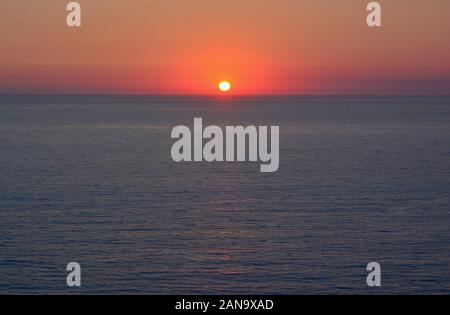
224 86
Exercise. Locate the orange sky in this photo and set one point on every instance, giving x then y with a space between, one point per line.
261 46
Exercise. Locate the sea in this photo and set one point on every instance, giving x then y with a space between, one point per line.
90 179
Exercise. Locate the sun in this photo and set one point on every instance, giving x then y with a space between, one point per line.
224 86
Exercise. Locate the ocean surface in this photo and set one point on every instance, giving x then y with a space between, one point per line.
91 180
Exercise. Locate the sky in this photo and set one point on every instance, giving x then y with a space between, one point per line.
261 46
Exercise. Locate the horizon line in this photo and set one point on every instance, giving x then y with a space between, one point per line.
231 95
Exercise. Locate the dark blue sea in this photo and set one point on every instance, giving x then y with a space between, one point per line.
90 179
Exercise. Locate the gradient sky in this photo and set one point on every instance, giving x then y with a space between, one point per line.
261 46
